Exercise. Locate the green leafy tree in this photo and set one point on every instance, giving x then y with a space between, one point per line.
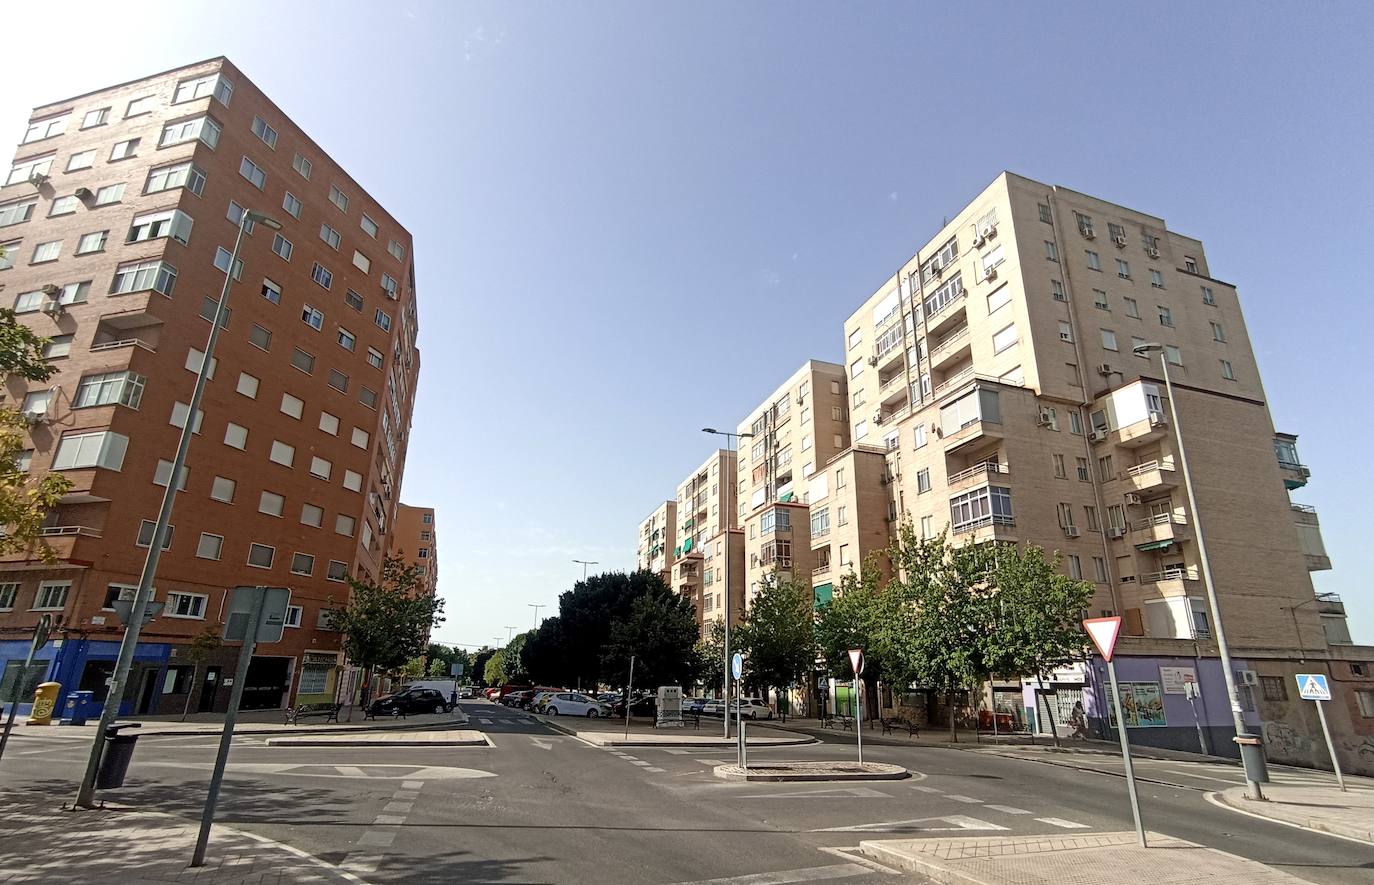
659 630
198 651
513 665
710 656
413 669
495 671
864 613
385 625
543 655
479 665
589 612
778 633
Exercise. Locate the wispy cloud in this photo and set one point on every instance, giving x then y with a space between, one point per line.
892 197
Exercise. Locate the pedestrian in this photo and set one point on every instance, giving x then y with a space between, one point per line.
1078 721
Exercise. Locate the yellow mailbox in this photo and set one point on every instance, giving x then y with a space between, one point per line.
44 703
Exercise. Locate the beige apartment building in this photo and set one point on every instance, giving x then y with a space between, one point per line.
414 539
707 534
995 371
657 541
791 436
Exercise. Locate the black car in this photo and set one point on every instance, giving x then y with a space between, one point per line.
409 702
642 706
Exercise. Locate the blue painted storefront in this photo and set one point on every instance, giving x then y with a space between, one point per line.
67 660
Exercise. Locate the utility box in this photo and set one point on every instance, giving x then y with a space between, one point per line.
78 707
669 707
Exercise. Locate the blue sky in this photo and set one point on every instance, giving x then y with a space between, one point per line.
612 203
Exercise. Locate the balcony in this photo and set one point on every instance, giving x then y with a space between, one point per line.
890 415
947 315
1295 475
1310 537
1159 531
1137 434
1152 476
955 381
1330 604
975 432
952 347
976 474
989 528
1173 581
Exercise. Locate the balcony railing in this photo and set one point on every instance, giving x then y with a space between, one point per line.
897 378
821 569
127 342
954 381
1160 519
986 467
985 521
1157 464
946 345
1175 573
60 530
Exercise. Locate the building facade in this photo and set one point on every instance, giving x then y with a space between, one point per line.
658 541
414 539
118 219
707 539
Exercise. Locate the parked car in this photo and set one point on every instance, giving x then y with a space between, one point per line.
751 708
572 703
410 702
517 699
693 705
492 693
712 707
537 703
642 706
467 691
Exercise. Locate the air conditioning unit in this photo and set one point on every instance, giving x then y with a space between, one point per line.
990 273
877 417
35 416
83 193
38 179
1132 498
1115 532
54 308
1247 677
873 361
801 400
1104 369
1089 233
987 231
1098 435
1043 420
979 239
1120 242
1071 531
1156 419
51 290
1152 251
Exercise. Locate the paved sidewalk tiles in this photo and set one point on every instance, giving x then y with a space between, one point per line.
1349 814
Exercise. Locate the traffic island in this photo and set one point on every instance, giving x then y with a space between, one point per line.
1088 859
451 738
813 771
1325 809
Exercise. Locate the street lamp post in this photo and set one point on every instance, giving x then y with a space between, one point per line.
1293 612
1252 765
536 612
729 519
584 563
85 796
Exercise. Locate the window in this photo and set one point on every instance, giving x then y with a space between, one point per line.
103 448
17 212
343 524
397 250
1365 698
1085 224
1156 279
320 468
1132 308
1065 332
260 555
24 170
1273 688
1137 341
46 252
51 596
124 388
214 84
338 571
180 411
97 117
222 258
1094 262
1075 567
1117 233
265 132
369 226
329 423
7 594
918 435
292 406
235 435
110 193
1045 213
58 346
1090 511
923 480
338 197
271 291
154 225
1226 371
329 235
1123 269
1217 333
1190 264
1058 290
1100 300
254 173
282 453
361 261
390 286
210 546
282 246
312 515
302 564
1108 339
427 518
81 160
139 106
979 507
1104 468
123 150
293 619
1075 423
302 166
1081 466
1100 570
353 300
368 397
203 128
60 206
338 380
374 356
291 204
1173 355
145 534
92 242
321 275
1207 296
312 317
353 481
260 337
1004 338
222 489
271 503
1166 316
1058 461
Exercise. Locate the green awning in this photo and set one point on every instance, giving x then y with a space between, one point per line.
687 546
1155 545
824 593
785 498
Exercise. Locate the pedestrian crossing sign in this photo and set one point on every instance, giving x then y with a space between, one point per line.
1313 687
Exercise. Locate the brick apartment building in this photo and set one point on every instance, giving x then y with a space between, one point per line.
117 220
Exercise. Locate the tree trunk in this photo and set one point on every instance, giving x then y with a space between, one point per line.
977 695
953 724
1049 713
190 692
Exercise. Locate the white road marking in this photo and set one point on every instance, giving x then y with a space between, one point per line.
371 772
830 793
712 762
361 863
967 799
412 785
675 752
542 743
349 770
377 838
852 854
927 789
1204 777
406 794
960 821
389 820
398 807
1007 809
655 770
638 762
784 877
1060 822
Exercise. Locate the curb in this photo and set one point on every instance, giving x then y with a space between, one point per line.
884 773
1065 764
705 743
324 741
1354 834
257 729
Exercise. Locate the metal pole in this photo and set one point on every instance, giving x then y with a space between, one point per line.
729 518
1126 754
1252 784
739 727
1326 733
1192 689
85 796
40 631
629 688
858 720
250 639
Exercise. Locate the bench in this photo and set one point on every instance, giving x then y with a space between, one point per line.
369 713
846 722
330 712
889 725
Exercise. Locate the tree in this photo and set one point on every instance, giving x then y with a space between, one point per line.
495 672
659 630
778 633
24 501
198 651
589 612
542 655
865 613
479 665
385 625
710 656
413 669
513 664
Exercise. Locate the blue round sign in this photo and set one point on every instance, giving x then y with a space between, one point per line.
737 665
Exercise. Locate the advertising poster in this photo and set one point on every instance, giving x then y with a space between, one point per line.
1143 705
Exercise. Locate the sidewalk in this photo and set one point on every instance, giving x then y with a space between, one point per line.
604 733
116 844
1071 860
252 722
1349 814
873 734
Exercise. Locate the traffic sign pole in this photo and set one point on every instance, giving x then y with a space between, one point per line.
1326 733
1314 687
856 660
1126 753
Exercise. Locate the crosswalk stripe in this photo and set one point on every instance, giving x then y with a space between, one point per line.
638 762
1060 822
654 770
1007 809
786 877
674 751
925 789
968 799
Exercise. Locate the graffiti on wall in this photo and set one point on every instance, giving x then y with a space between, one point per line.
1284 743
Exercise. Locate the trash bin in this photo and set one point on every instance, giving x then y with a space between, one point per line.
78 707
44 703
118 753
1252 756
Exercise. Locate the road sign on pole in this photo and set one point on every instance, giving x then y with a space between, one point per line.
1314 687
1103 632
856 660
737 665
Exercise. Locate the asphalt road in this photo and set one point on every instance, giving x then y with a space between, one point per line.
541 806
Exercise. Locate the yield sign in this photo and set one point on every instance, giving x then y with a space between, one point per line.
856 660
1103 632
